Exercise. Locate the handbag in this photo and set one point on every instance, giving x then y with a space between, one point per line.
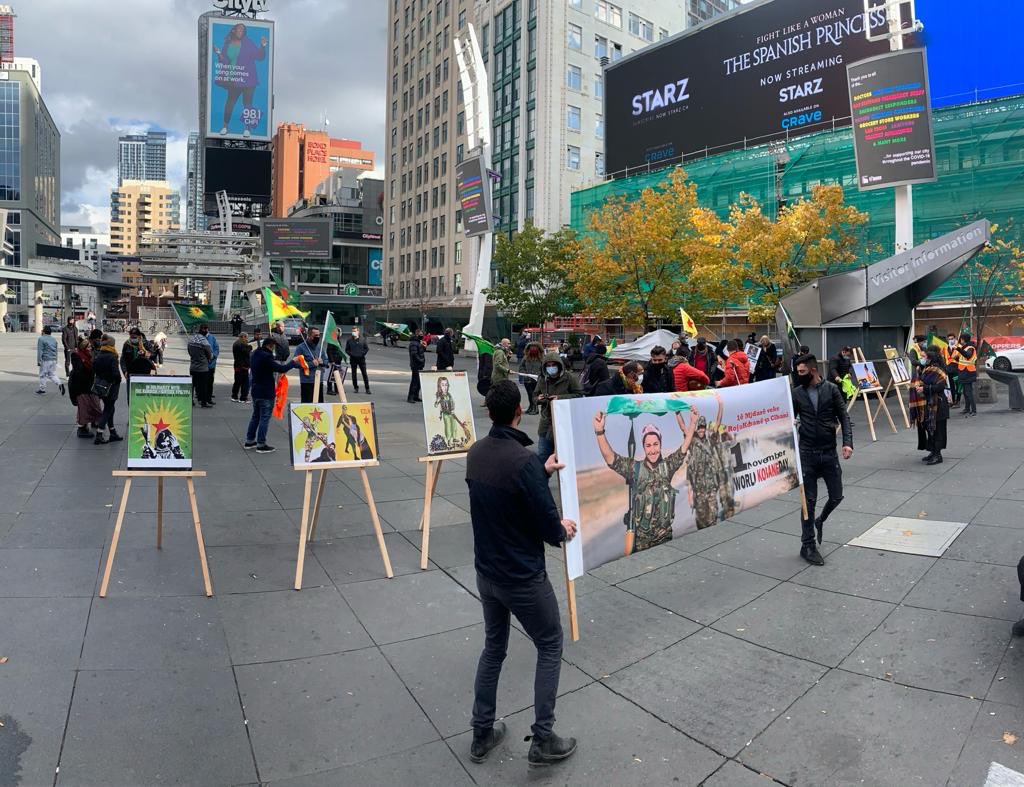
101 387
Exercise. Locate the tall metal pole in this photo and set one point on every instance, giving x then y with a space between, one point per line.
904 207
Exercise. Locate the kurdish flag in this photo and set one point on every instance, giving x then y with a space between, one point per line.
332 335
790 330
483 347
192 315
278 308
689 326
634 406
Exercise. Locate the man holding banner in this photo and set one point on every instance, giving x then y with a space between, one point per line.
819 405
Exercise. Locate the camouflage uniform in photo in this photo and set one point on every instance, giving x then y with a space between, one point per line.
653 498
706 474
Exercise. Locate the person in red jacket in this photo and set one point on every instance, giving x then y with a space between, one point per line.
685 376
737 366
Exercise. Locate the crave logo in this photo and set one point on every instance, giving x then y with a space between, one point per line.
661 97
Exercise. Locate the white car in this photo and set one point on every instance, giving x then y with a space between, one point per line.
1007 360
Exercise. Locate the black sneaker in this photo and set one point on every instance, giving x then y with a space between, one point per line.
114 437
935 460
819 525
549 750
1018 628
483 744
43 393
233 399
926 458
812 556
83 431
265 449
247 446
100 439
63 390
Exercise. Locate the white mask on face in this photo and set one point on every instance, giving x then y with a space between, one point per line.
639 379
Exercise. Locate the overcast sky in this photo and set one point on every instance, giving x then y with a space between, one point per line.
114 66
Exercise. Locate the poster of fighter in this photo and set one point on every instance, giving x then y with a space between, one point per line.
447 412
324 435
644 469
160 423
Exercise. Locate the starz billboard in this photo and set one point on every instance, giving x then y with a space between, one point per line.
240 89
770 70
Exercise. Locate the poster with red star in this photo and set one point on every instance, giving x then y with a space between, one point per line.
326 435
160 423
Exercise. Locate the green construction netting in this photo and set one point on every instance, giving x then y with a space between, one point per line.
979 158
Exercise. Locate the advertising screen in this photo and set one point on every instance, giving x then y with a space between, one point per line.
240 85
244 175
297 238
474 193
773 69
375 261
892 121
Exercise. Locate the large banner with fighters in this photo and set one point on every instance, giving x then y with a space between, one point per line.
644 469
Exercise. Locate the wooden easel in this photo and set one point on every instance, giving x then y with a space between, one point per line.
307 527
858 356
433 464
160 475
898 385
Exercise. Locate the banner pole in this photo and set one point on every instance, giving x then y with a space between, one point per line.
570 585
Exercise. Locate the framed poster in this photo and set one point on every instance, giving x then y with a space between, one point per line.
898 370
867 377
322 435
160 423
753 352
447 412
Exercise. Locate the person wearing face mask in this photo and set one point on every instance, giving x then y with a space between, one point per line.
686 376
966 358
840 367
628 380
531 364
356 350
200 354
819 405
952 370
657 375
929 404
313 352
556 382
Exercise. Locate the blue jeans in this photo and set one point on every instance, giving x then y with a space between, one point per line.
260 421
545 447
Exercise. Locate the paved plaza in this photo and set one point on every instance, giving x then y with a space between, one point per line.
719 659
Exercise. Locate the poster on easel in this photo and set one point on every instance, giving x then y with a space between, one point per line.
447 412
160 423
867 377
898 370
324 436
753 352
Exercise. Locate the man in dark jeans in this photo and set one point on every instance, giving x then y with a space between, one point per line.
819 406
417 359
263 368
513 515
356 350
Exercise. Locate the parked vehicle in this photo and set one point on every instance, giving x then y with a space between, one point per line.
1007 360
294 329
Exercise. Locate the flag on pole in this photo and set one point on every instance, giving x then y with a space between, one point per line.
611 346
396 328
483 347
332 336
192 315
278 308
791 336
288 296
689 326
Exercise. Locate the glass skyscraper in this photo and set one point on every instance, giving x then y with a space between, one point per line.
142 156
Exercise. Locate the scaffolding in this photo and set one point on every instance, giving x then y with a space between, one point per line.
979 159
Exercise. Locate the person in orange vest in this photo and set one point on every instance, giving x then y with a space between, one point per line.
965 355
952 370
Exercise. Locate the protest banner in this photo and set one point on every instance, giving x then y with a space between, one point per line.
160 423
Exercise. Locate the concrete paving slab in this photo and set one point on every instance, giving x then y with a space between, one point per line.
449 546
405 514
415 605
878 501
232 568
636 750
33 713
1008 686
1003 513
941 506
173 570
807 623
357 558
343 709
986 745
638 563
864 731
618 629
387 490
941 651
926 537
896 480
717 689
336 522
438 670
699 540
184 725
840 527
883 576
971 588
765 512
986 544
57 530
732 774
699 589
41 633
432 763
48 572
336 493
764 552
288 625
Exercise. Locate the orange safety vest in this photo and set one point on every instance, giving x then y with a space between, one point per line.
963 364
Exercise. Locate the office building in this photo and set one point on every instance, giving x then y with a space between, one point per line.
27 64
89 244
6 34
142 156
139 207
29 171
698 11
302 159
195 219
544 60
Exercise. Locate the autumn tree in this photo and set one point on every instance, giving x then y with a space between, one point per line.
530 283
996 275
639 253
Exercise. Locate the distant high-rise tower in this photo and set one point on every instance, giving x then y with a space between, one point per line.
142 156
195 219
6 34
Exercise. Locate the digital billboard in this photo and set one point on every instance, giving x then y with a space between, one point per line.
297 238
892 120
772 69
474 194
244 174
240 86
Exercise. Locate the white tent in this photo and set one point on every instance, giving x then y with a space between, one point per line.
640 350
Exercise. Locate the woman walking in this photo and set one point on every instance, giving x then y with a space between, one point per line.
929 402
532 363
80 385
106 386
242 352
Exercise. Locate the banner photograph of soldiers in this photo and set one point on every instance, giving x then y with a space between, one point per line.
644 469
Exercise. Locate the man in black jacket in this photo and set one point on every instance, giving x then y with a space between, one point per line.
839 367
595 370
446 351
819 406
657 375
416 362
513 516
356 349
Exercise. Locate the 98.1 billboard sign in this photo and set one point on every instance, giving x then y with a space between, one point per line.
892 120
473 189
240 89
773 69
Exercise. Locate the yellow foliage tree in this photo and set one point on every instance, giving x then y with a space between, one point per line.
639 254
996 275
